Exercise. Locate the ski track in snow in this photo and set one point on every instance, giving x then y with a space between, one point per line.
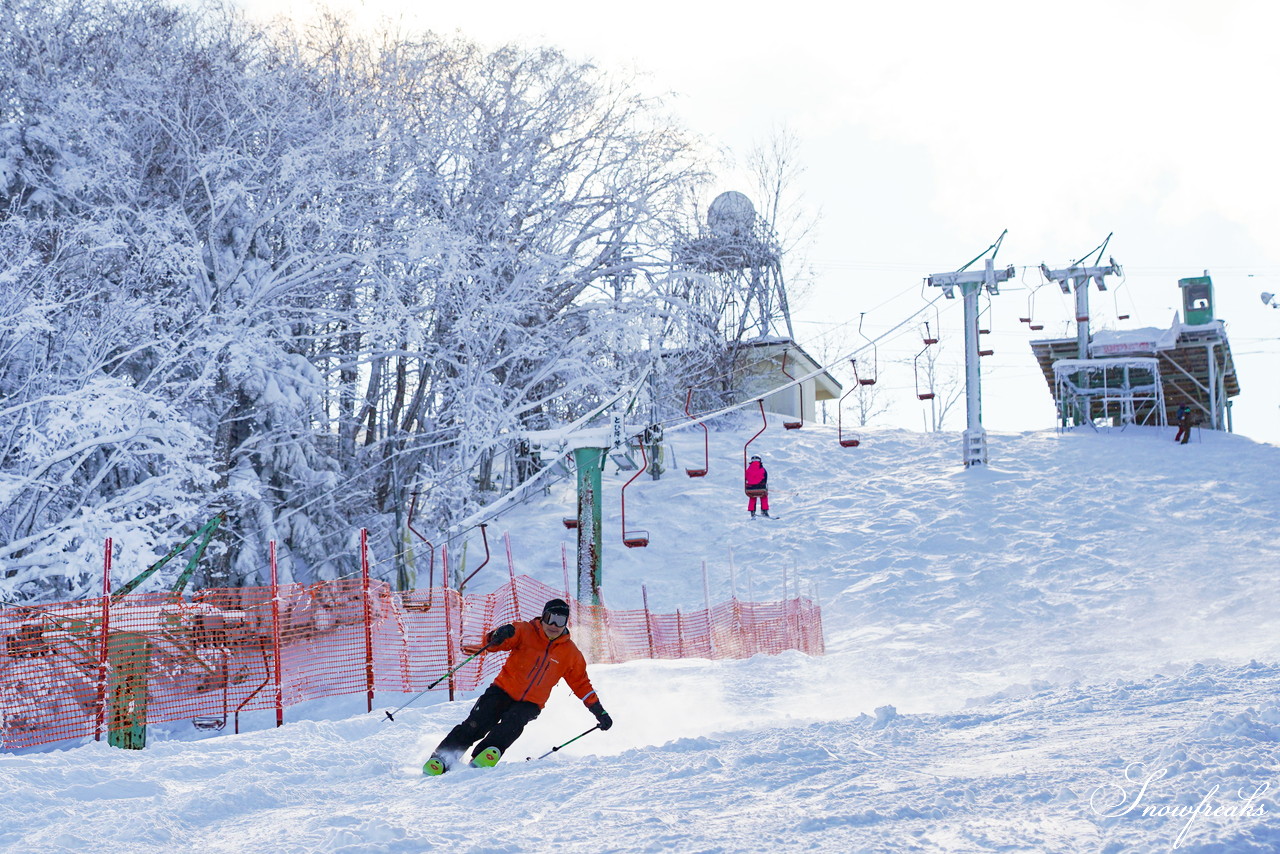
1011 653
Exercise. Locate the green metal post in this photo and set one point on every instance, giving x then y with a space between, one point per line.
589 462
129 654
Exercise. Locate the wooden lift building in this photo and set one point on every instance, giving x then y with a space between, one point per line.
1143 376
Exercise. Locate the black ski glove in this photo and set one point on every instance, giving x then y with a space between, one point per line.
501 633
602 717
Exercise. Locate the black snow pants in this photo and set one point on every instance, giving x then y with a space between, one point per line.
495 720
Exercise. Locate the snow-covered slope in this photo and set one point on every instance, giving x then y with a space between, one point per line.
1072 650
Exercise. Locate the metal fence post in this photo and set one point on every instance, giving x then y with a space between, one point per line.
368 616
275 636
648 624
706 601
103 643
679 633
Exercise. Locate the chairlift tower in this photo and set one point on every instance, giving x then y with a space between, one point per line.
971 285
1077 279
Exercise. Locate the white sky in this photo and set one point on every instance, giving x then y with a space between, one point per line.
927 128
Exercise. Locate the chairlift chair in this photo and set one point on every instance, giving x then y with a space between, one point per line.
431 554
875 362
931 337
861 380
484 537
755 490
633 539
215 723
926 395
765 426
1115 300
706 441
636 539
986 331
793 425
852 441
1030 318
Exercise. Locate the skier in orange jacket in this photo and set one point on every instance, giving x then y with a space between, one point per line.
542 653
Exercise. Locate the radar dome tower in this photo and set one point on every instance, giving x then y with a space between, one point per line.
739 253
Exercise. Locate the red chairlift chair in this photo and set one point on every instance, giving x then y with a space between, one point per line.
484 536
1115 300
793 425
634 539
987 330
431 555
875 362
1030 318
765 421
570 522
750 491
861 380
853 441
706 442
927 395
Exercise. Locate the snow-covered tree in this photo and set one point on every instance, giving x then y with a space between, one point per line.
287 276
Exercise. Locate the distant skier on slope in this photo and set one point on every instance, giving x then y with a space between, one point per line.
757 485
1185 423
542 654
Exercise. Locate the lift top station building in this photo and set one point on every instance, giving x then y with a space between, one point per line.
1142 376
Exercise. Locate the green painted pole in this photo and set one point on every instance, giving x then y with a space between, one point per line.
589 462
129 654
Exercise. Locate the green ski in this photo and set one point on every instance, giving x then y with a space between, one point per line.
487 758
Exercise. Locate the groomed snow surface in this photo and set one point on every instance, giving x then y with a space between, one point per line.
1075 649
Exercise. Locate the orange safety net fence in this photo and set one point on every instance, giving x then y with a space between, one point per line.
96 669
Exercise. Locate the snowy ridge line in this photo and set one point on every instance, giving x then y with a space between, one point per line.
157 658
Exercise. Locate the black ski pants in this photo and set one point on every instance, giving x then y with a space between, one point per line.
495 720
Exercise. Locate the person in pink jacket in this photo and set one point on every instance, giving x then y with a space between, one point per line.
757 483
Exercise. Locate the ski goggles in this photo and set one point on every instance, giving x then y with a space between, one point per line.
555 619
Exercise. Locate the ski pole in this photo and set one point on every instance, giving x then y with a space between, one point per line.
566 744
391 715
